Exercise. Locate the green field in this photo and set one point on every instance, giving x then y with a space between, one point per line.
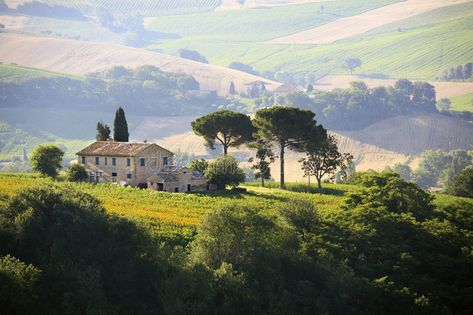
420 47
187 210
143 7
462 103
18 74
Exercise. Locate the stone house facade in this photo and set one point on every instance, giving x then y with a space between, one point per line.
138 164
123 162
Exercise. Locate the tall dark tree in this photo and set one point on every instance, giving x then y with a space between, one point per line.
103 131
288 127
467 70
459 72
231 129
120 126
231 89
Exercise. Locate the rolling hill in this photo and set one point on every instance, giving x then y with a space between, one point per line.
79 57
358 24
143 7
418 47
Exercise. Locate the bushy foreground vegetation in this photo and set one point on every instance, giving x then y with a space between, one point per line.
383 249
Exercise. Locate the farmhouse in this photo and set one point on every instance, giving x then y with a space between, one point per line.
138 164
255 88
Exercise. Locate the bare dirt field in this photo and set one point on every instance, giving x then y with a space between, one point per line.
415 134
16 23
235 5
14 3
80 57
354 25
443 89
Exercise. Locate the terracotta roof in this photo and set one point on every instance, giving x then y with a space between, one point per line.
257 82
286 89
112 148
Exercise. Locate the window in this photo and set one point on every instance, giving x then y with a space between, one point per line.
114 161
142 162
128 175
97 160
128 162
100 173
114 174
83 160
114 177
106 160
165 160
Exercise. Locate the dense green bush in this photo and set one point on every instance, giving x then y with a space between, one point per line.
224 171
77 173
47 159
463 184
388 252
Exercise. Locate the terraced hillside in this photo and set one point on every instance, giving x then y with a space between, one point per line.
144 7
419 47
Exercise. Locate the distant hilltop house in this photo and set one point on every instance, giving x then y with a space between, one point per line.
138 164
283 91
255 88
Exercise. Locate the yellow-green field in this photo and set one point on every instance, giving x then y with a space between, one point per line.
173 208
187 210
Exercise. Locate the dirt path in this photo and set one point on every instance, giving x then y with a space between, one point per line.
359 24
80 57
443 89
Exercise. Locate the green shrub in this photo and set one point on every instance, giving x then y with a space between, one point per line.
77 173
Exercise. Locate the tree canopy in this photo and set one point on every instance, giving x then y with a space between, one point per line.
323 158
287 127
47 159
103 131
230 129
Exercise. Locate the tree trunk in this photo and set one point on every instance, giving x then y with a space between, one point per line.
225 149
308 183
262 181
282 184
319 184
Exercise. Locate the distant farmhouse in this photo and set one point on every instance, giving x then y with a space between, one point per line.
255 89
138 164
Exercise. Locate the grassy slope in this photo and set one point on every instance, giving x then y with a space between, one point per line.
238 33
427 44
143 7
463 103
14 140
18 74
175 213
187 210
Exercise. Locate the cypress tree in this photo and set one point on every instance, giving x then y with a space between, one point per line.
120 126
232 90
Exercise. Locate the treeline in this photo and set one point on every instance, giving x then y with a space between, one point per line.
458 73
61 253
36 8
437 168
360 106
144 90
